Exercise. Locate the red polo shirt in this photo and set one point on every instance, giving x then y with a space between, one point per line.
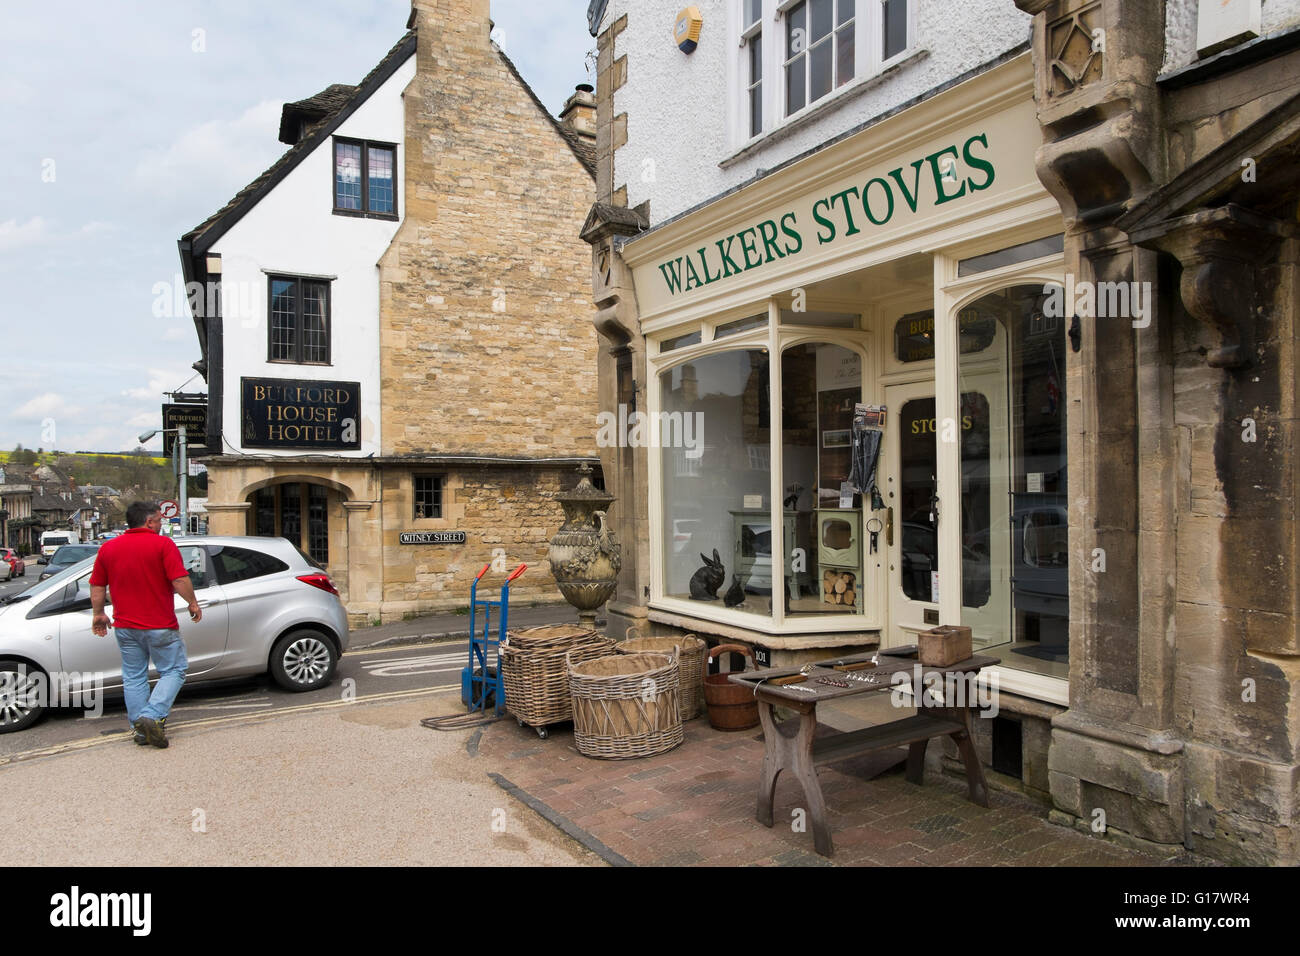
139 567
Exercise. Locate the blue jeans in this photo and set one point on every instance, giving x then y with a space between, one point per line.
167 649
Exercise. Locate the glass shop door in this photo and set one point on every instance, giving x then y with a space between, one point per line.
915 504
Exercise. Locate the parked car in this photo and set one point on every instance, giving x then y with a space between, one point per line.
51 541
66 557
12 564
267 607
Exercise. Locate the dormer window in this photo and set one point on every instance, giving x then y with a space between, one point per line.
365 178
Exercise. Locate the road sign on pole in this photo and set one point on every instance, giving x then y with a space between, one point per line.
169 508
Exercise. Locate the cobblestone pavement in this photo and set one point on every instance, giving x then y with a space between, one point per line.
695 806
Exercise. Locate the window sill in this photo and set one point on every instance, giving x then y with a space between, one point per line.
361 214
810 114
292 362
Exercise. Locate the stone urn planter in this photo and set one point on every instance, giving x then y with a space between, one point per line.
585 556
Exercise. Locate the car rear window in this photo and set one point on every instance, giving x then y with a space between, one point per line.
241 564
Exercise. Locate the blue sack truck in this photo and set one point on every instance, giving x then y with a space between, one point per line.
481 685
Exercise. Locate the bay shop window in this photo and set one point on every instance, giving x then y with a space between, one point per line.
754 522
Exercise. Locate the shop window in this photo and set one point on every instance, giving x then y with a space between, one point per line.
1014 509
716 512
428 496
820 385
299 326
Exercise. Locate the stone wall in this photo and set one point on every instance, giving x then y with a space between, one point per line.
486 341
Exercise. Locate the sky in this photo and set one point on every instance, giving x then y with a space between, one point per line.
128 123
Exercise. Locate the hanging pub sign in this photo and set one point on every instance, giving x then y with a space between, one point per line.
914 334
431 537
194 416
297 413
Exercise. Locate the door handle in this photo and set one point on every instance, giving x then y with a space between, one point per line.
889 527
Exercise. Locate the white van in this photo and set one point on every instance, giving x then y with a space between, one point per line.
51 541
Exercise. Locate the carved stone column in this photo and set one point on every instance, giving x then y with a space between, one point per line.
1114 750
622 381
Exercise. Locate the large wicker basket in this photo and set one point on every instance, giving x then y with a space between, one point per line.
692 653
625 705
534 670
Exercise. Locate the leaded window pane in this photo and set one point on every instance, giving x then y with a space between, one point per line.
283 320
347 175
318 539
380 184
315 330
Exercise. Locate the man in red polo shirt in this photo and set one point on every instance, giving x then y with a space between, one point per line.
143 569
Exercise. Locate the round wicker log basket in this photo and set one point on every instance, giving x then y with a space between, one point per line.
534 669
625 705
692 654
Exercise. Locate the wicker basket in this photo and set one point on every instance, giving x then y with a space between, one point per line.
534 671
692 653
625 705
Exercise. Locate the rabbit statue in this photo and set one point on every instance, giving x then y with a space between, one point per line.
706 581
735 594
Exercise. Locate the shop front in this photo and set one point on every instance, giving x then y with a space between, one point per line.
905 271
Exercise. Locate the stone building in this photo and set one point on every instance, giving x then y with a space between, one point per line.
1056 241
401 370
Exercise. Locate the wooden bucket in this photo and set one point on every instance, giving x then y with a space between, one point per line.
625 705
731 706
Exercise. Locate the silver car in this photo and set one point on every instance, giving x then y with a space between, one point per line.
266 607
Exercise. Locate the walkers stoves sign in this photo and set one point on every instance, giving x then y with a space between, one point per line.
295 413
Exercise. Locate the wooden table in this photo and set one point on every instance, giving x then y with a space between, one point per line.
799 751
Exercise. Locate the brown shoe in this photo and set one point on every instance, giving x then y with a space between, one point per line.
153 731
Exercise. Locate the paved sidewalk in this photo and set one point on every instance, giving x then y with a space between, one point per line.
453 626
695 805
350 785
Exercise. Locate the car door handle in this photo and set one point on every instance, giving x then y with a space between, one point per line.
209 602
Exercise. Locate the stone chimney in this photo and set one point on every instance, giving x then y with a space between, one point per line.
579 113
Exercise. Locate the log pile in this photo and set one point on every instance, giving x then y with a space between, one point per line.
839 587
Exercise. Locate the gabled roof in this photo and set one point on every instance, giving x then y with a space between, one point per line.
582 147
331 106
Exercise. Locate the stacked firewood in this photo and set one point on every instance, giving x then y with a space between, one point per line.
839 587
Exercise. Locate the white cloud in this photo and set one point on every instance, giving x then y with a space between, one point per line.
160 380
14 235
47 405
151 419
216 156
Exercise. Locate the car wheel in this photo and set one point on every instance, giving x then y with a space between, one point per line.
21 696
303 660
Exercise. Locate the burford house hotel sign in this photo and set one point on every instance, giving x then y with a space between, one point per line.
295 413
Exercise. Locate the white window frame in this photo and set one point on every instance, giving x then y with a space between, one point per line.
869 62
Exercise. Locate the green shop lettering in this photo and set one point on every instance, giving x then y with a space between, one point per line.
929 181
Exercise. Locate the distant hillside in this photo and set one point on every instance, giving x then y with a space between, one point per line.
119 470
